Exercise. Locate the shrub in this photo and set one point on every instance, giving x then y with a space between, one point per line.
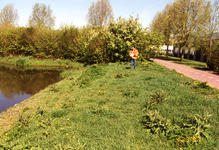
68 43
88 45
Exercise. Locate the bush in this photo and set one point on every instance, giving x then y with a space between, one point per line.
125 33
212 55
88 45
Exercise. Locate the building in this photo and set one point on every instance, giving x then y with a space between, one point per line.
170 49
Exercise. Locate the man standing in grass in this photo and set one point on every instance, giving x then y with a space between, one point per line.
133 56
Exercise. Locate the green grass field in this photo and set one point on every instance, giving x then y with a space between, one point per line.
109 106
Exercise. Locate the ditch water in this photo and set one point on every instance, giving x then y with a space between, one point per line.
20 83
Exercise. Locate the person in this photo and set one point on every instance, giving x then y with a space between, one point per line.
133 56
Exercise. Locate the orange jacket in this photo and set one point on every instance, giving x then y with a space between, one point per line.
135 52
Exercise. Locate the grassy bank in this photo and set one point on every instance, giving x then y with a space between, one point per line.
31 61
109 106
187 62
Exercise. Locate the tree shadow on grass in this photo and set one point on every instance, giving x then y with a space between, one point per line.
208 70
203 69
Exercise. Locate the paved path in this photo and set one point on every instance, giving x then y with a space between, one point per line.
212 79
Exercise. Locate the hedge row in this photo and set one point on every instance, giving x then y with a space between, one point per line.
87 44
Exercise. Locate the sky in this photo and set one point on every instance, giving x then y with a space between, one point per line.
73 12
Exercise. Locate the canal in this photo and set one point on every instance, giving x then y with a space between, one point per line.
18 83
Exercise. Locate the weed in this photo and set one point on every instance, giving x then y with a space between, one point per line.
20 62
155 99
53 88
45 123
97 109
187 83
201 125
118 75
58 113
85 83
128 92
155 123
127 75
23 121
195 126
148 78
203 85
26 109
40 111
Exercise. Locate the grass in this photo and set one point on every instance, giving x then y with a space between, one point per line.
109 106
31 61
187 62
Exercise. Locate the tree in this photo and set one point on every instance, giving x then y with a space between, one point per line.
100 13
41 16
168 25
210 35
124 33
162 24
189 15
9 15
156 24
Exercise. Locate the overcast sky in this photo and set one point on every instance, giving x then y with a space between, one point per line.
75 11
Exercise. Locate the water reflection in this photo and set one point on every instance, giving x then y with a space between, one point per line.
19 83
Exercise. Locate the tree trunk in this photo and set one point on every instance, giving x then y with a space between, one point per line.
149 54
173 51
178 54
167 51
188 54
182 56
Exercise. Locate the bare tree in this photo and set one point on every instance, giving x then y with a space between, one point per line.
41 16
100 13
9 15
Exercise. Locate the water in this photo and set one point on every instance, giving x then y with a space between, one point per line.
20 83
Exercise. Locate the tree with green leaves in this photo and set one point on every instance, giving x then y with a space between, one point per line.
188 16
41 16
100 13
210 36
162 24
9 15
121 36
124 33
156 24
168 25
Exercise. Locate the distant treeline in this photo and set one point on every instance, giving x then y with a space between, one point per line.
86 44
